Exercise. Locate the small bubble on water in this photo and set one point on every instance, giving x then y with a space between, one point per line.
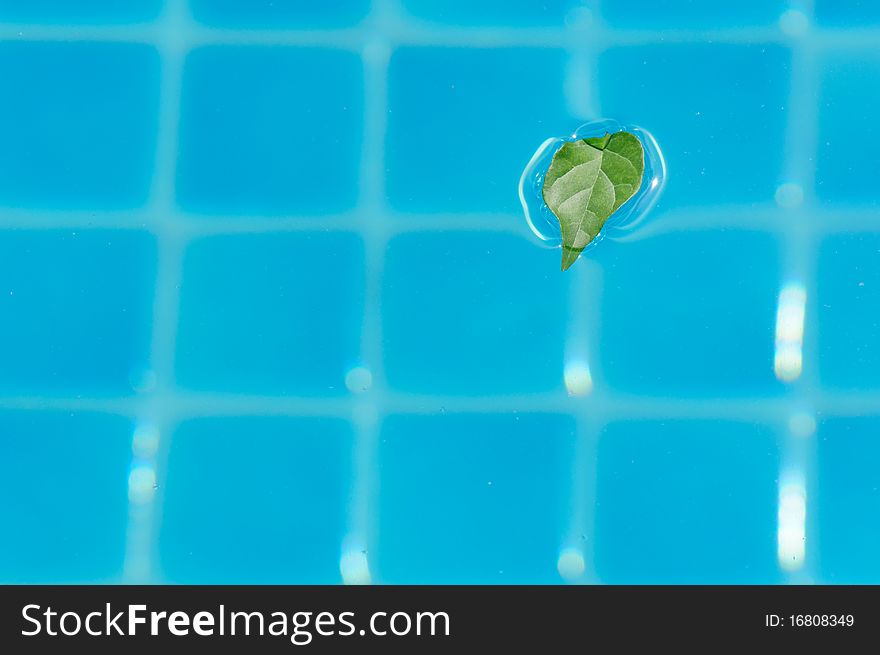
359 379
794 22
789 195
579 18
570 564
802 424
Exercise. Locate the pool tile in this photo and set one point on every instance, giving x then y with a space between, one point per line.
847 13
472 313
483 13
78 124
473 499
847 500
711 108
848 298
272 14
257 138
63 496
690 314
686 502
76 310
270 313
464 122
849 136
678 14
99 12
255 500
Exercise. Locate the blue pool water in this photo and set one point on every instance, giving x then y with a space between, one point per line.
270 310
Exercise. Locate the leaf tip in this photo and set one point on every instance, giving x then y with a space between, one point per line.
569 257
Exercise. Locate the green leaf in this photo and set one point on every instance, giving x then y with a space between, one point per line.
587 182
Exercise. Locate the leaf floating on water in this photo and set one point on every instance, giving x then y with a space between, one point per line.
587 182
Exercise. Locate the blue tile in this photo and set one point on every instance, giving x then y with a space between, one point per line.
77 124
76 310
463 124
270 313
256 136
520 13
848 298
472 313
711 108
474 499
847 500
847 13
255 500
274 14
686 502
849 136
79 12
691 13
690 313
63 496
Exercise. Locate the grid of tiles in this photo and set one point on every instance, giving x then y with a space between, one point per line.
392 453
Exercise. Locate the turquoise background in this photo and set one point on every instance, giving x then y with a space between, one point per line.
270 310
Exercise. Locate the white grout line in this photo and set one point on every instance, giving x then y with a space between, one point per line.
581 374
577 559
614 405
811 221
797 297
360 539
180 405
152 417
411 32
